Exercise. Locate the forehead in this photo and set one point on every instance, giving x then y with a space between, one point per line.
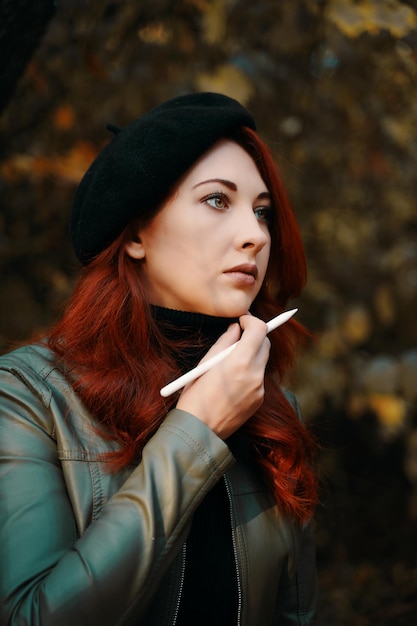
225 159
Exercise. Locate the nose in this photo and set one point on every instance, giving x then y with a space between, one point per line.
251 233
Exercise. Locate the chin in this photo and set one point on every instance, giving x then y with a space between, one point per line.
226 306
232 311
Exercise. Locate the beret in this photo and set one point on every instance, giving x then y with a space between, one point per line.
132 175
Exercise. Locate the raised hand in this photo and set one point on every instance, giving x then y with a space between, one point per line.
229 393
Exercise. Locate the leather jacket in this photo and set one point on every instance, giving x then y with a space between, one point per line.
82 545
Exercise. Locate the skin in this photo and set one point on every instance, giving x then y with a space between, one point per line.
207 250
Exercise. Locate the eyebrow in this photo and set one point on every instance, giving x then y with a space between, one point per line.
232 186
227 183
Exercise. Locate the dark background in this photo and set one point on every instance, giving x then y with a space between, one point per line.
333 85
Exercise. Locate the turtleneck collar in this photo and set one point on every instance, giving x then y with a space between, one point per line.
199 324
197 330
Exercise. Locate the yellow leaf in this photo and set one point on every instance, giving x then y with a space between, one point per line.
74 163
16 167
356 325
372 16
155 33
69 166
228 80
215 21
385 304
389 409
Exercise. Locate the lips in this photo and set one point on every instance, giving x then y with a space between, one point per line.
246 272
244 268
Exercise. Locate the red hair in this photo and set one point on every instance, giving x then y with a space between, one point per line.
121 359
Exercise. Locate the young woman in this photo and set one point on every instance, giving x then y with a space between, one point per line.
119 506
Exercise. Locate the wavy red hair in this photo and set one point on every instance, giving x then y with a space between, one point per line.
121 358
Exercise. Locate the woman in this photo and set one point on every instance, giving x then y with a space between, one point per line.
119 506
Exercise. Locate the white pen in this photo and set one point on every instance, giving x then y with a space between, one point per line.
201 369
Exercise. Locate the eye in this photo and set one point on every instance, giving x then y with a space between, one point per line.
217 200
264 214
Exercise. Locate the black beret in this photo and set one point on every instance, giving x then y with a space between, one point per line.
139 166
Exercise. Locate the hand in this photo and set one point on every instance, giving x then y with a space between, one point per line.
228 394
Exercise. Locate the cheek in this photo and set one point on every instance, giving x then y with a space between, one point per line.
173 249
160 238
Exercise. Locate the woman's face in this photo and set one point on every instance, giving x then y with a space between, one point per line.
207 248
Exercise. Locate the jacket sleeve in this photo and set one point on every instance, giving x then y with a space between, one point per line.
48 576
298 595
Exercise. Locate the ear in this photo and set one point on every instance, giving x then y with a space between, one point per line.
135 247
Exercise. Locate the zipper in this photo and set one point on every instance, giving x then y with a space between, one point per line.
239 582
182 576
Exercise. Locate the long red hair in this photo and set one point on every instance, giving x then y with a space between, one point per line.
121 359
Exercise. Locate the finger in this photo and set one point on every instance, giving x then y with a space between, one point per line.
254 332
250 322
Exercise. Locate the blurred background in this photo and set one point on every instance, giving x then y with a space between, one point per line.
333 86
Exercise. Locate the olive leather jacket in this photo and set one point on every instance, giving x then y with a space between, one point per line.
80 545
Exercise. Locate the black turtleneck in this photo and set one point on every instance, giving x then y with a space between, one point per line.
200 331
209 326
210 593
